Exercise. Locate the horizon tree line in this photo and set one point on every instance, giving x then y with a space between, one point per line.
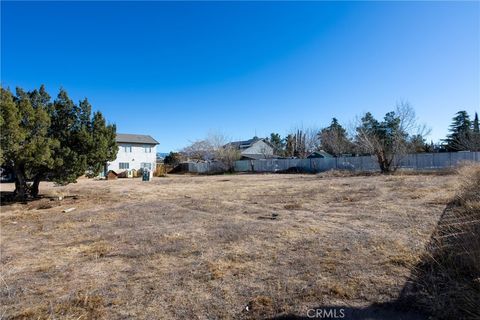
388 139
336 140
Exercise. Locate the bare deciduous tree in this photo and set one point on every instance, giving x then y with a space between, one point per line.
312 141
214 147
228 155
198 150
266 151
390 139
302 142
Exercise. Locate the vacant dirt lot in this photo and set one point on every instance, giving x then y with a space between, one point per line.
215 247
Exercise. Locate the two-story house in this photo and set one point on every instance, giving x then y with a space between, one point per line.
135 151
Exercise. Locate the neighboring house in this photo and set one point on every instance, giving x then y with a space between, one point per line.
319 154
135 151
253 149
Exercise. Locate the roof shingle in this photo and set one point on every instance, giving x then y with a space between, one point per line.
135 138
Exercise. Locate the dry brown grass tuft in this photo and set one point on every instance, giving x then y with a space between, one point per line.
342 290
346 174
78 305
293 206
97 250
261 307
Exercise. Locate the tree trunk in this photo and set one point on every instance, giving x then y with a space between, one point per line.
384 163
381 162
21 188
34 188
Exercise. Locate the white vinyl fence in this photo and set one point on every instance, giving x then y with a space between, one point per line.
417 161
203 167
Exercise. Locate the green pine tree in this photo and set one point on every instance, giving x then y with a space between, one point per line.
173 158
460 132
474 142
277 143
476 126
25 142
103 148
58 140
334 139
290 145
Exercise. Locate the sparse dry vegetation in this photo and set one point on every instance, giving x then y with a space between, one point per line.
196 247
446 282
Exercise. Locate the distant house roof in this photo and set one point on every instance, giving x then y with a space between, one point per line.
256 156
135 138
241 145
319 154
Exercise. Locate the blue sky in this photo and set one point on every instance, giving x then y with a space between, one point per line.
179 70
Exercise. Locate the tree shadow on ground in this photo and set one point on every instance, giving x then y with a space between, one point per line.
446 281
8 198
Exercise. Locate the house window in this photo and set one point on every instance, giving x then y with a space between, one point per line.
148 149
127 148
146 165
124 165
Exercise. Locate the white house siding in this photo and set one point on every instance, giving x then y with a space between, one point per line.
135 159
259 147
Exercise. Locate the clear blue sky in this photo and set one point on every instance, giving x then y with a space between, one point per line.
179 70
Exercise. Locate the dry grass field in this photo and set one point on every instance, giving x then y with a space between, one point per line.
216 247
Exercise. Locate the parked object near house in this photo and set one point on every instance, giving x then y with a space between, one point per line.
111 175
146 175
135 152
134 173
253 149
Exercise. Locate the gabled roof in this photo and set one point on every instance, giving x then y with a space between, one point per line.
246 143
135 138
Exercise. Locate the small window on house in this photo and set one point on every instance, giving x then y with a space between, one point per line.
148 149
127 149
124 165
146 165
